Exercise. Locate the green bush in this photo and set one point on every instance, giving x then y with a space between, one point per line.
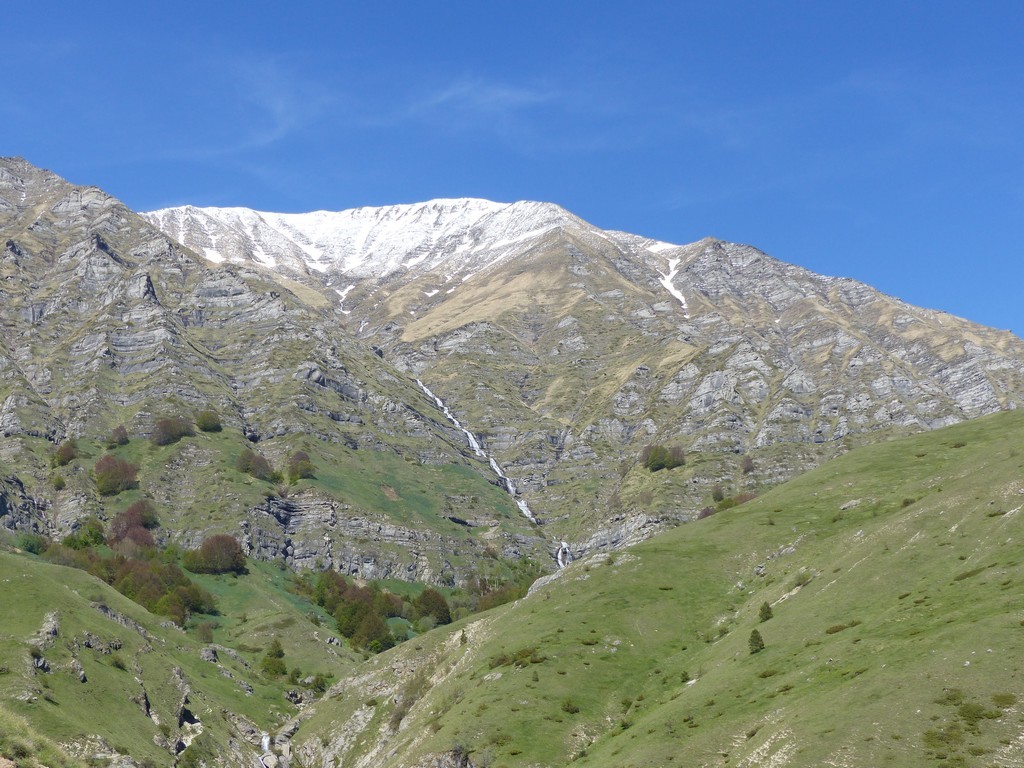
765 612
89 533
208 421
300 466
272 664
32 542
658 457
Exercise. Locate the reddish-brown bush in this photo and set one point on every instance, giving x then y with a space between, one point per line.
114 475
217 554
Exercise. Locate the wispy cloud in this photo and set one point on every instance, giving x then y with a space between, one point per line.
256 104
475 104
478 97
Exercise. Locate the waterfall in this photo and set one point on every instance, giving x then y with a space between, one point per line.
510 487
563 556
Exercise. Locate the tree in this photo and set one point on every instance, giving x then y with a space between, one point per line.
252 463
66 453
766 612
299 466
114 475
272 663
118 436
217 554
658 457
208 421
170 430
430 602
141 515
756 642
748 465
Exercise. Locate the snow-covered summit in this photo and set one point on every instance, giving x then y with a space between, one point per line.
460 236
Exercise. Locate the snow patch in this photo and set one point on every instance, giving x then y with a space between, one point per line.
666 280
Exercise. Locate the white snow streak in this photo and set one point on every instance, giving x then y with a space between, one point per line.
666 280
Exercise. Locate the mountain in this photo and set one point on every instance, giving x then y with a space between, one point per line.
108 322
567 349
464 393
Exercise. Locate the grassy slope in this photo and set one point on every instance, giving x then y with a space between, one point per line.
61 707
924 572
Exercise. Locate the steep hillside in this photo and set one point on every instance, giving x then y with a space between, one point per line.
892 636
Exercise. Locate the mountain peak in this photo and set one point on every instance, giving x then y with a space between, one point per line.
459 235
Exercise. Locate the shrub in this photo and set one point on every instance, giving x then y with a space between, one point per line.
765 612
217 554
88 534
59 484
204 631
140 515
569 706
208 421
66 453
114 475
252 463
299 466
756 642
706 512
272 664
748 465
32 542
430 602
657 457
118 436
717 494
170 430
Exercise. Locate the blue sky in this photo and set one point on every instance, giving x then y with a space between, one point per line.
878 140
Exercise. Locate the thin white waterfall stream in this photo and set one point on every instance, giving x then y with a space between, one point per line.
479 451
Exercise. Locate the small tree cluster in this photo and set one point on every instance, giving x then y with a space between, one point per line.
252 463
89 533
431 603
658 457
134 525
118 436
220 553
170 430
208 421
158 586
299 466
272 664
66 453
360 613
114 475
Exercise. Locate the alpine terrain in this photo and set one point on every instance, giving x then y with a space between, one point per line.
465 483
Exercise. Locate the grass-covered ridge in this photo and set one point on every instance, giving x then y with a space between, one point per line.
896 637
